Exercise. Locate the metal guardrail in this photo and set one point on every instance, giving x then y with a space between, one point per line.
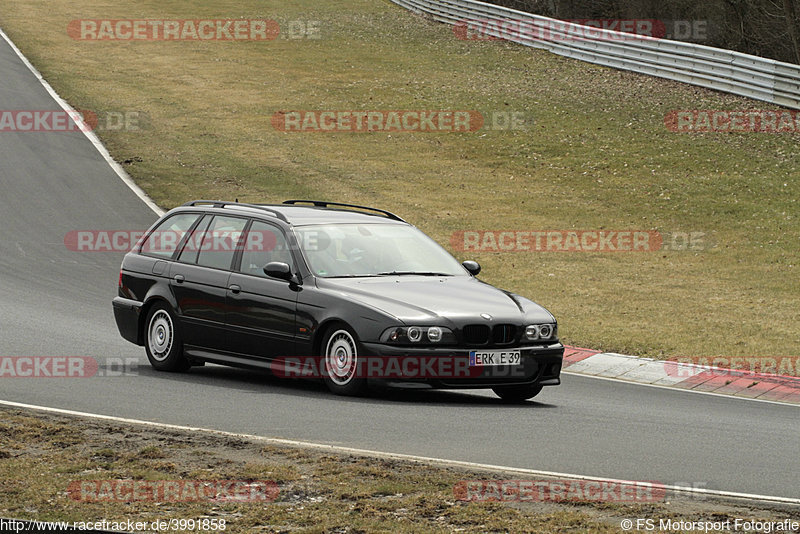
715 68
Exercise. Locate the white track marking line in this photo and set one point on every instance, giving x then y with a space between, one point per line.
397 456
90 135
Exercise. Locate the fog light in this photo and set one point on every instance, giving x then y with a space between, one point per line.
435 334
414 334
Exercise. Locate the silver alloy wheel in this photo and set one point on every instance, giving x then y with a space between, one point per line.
341 357
160 335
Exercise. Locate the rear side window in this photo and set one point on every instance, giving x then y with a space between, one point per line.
192 247
220 241
164 239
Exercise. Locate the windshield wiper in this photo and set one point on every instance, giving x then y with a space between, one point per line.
417 273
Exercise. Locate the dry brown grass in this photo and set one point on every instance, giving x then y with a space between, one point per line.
318 492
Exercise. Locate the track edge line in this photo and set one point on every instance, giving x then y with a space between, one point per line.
396 456
90 135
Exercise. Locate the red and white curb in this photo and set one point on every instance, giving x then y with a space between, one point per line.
735 382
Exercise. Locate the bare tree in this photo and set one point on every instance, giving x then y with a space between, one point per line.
793 26
768 28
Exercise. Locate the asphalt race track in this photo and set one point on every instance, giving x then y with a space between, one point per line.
55 302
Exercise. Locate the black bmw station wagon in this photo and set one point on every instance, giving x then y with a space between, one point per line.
348 294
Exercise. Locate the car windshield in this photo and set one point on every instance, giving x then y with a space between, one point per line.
356 250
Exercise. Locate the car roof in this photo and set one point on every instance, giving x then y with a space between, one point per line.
296 214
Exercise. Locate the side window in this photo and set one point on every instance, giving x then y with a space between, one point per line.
164 239
192 247
219 242
264 243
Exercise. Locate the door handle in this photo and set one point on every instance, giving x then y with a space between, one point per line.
234 289
179 278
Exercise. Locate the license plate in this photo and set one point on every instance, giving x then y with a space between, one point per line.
487 358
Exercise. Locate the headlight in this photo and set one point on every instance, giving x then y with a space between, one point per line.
406 335
546 331
435 334
532 332
543 332
414 334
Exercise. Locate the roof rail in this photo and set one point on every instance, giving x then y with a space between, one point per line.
324 204
222 204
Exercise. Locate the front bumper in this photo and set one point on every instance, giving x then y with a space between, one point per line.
540 364
127 314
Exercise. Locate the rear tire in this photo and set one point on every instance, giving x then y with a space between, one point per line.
517 393
340 354
162 340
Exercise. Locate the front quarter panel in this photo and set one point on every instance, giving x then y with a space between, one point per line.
317 308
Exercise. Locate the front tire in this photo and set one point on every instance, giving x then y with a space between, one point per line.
162 340
340 354
517 393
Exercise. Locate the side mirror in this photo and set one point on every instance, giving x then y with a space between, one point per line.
278 269
473 267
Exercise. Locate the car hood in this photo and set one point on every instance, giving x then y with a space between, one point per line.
428 299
